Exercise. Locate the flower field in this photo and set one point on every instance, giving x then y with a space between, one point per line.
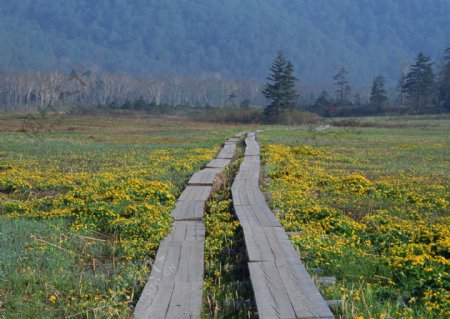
371 207
85 202
82 211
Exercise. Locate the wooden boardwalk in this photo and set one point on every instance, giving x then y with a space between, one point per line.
174 289
281 284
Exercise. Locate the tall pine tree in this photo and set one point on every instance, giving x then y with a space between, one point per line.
420 83
280 90
378 95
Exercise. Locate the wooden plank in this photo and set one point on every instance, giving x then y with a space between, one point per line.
272 300
184 231
252 152
196 193
206 176
218 163
185 300
304 295
250 176
268 244
227 151
248 214
252 147
281 246
233 140
251 162
189 210
282 292
175 283
155 298
245 194
256 245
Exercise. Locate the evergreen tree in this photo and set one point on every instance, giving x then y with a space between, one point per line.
420 83
343 88
378 94
280 90
444 82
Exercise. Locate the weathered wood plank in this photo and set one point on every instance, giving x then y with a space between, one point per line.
281 246
248 214
188 210
196 193
304 295
251 162
252 147
218 163
256 244
178 266
271 296
268 244
155 298
233 140
206 176
226 154
250 176
252 151
282 290
228 151
183 299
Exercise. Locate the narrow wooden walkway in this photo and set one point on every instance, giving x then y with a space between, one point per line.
174 289
281 284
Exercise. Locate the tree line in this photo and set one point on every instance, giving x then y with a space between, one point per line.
32 90
420 90
423 87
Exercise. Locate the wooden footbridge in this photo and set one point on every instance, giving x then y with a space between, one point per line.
281 284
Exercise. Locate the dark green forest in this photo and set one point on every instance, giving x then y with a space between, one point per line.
230 39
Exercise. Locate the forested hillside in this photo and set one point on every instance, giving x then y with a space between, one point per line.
232 38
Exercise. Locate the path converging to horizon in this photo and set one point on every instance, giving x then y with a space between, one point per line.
280 282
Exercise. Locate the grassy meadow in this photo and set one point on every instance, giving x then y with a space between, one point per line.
85 201
371 206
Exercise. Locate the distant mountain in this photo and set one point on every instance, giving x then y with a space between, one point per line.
230 38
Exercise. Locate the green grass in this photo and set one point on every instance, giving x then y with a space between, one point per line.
41 262
56 267
371 205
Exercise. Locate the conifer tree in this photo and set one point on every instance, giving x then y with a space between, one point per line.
420 83
378 94
280 90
